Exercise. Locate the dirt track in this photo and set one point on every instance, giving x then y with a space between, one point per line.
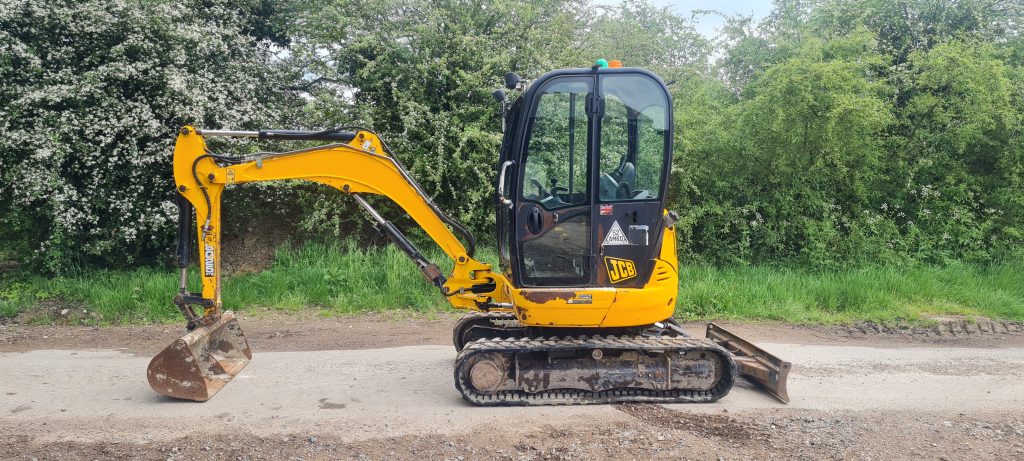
372 388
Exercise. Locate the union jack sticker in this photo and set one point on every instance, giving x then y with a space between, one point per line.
606 210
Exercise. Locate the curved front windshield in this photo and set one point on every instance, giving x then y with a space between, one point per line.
634 137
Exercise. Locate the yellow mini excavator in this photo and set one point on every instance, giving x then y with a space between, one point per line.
581 308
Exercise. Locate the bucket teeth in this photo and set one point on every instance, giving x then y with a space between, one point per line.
199 364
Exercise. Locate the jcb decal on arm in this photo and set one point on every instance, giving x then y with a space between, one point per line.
208 255
619 269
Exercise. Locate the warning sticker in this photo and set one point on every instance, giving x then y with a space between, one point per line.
615 236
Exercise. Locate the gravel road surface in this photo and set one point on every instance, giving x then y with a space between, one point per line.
377 394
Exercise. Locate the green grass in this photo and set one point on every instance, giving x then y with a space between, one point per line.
341 279
336 279
881 294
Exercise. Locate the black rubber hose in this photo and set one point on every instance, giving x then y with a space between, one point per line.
459 229
470 240
202 188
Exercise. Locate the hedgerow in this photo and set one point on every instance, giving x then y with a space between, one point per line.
831 133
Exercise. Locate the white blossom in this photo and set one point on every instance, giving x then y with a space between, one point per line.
93 101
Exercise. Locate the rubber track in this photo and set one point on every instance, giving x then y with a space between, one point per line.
473 316
582 397
477 317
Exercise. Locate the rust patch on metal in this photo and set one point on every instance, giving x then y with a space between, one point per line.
754 363
546 296
592 380
200 363
628 369
488 373
536 381
225 346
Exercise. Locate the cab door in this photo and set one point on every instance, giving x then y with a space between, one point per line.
631 163
553 218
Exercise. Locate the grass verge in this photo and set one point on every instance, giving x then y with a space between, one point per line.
337 279
881 294
342 279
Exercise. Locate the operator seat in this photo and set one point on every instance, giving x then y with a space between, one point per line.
618 185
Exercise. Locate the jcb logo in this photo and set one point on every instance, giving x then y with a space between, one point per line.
619 269
208 254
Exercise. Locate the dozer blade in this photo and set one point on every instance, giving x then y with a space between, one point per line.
754 363
200 363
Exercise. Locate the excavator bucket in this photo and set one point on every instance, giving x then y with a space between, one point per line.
754 363
200 363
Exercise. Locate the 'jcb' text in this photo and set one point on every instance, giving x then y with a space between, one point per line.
208 256
619 269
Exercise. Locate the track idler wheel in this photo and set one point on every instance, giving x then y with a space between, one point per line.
488 372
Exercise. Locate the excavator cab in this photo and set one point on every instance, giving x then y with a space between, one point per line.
584 174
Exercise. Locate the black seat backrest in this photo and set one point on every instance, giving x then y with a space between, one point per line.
628 175
611 182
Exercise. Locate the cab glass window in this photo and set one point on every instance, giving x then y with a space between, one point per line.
633 138
555 172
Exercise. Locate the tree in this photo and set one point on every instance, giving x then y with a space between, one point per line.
960 162
423 79
798 165
93 93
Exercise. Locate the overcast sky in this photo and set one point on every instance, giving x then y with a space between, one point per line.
708 24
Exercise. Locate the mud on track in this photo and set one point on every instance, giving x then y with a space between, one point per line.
373 388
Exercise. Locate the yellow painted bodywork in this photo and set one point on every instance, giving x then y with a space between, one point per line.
362 166
610 307
657 298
